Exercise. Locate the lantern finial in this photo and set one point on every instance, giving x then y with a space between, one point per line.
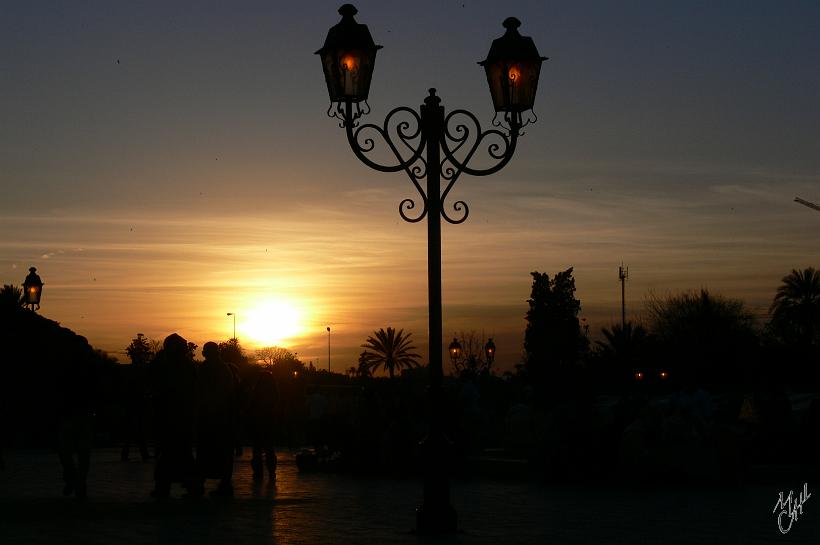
511 24
348 10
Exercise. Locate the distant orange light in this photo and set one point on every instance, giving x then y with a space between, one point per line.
514 74
295 374
349 63
664 375
639 376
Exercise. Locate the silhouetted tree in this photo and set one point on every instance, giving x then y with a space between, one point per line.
795 311
11 296
623 350
139 351
272 355
363 369
231 353
390 350
624 344
191 347
708 334
554 338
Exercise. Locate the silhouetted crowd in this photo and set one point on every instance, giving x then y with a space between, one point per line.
193 411
199 413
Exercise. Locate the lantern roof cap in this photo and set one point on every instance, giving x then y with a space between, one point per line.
512 45
348 34
32 277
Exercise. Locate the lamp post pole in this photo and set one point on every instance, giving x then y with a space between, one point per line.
328 349
429 144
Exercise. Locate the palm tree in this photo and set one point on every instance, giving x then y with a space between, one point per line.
623 344
390 350
796 306
11 297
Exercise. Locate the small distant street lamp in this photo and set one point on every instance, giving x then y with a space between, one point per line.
429 145
32 289
455 351
489 352
234 323
328 349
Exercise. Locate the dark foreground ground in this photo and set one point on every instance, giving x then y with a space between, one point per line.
319 508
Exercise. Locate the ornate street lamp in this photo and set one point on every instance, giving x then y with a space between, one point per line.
489 352
432 147
455 351
348 57
32 289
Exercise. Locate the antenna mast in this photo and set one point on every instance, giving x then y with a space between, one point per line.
623 274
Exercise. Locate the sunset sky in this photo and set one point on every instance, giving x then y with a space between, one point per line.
164 163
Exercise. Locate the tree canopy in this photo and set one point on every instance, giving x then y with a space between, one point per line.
390 350
553 337
795 311
710 335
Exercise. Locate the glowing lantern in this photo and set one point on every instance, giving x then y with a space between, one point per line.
489 351
513 66
348 57
32 289
455 350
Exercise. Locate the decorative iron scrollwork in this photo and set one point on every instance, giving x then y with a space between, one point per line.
459 138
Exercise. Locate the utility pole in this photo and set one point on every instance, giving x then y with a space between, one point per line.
328 349
623 274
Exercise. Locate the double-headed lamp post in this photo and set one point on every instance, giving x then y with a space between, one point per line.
456 350
32 289
429 145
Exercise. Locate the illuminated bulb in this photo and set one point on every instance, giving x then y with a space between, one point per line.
349 63
514 74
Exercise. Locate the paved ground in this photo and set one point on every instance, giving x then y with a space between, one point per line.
301 508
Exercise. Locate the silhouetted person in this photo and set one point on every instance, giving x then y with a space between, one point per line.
216 418
262 420
173 378
135 407
76 396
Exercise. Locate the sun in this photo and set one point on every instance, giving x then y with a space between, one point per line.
272 322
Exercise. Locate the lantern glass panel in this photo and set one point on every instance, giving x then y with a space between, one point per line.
513 84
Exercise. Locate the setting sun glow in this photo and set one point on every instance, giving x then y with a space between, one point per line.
272 322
